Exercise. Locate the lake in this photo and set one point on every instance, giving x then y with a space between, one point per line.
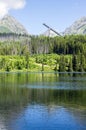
42 101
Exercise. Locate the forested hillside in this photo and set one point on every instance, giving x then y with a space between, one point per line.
70 44
41 53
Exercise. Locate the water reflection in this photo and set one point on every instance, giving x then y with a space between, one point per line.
42 102
44 80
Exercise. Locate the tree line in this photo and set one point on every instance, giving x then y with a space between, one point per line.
73 45
70 44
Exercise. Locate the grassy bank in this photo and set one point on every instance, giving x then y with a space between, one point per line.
47 62
43 62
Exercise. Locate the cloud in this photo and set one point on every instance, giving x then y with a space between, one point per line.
7 5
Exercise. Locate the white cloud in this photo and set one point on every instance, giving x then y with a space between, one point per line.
7 5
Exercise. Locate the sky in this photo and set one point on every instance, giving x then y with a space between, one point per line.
58 14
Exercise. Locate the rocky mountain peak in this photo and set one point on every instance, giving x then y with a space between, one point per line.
9 24
78 27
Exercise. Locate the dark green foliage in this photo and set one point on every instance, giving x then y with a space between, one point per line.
43 62
2 62
48 51
73 44
76 63
42 66
70 66
7 67
56 63
53 62
19 65
82 63
62 64
27 60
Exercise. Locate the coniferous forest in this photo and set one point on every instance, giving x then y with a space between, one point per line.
39 53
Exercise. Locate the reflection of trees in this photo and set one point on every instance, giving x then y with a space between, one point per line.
13 93
40 78
13 100
27 78
20 97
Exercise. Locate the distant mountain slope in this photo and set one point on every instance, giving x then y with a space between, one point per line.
9 24
49 33
78 27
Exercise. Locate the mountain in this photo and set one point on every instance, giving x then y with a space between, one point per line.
9 24
78 27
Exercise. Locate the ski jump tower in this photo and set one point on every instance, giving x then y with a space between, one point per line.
50 29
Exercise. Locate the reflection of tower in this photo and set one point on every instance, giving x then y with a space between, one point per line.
50 29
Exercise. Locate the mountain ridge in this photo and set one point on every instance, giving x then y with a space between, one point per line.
8 24
78 27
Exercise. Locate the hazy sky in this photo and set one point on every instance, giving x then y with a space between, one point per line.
58 14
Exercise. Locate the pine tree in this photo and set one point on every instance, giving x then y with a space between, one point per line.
27 60
75 63
70 67
82 63
62 64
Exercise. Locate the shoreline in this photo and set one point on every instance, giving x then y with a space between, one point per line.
33 71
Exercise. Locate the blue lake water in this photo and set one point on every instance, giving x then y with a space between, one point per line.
42 101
